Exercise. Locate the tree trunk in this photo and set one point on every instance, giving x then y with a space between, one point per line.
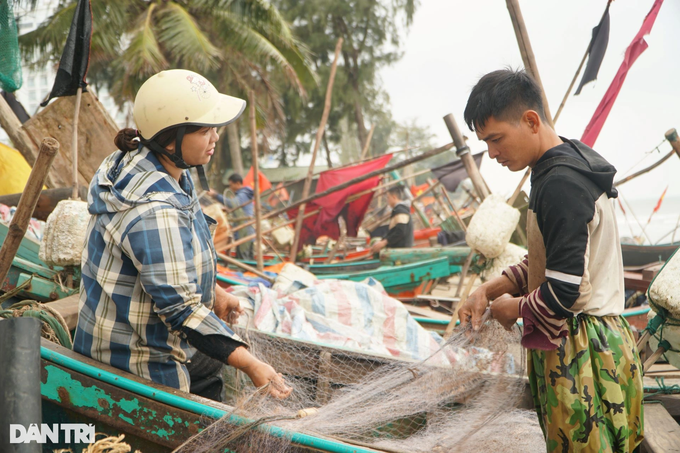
235 148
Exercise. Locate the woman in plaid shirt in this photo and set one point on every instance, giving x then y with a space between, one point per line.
149 298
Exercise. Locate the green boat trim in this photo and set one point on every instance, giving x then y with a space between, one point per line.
53 389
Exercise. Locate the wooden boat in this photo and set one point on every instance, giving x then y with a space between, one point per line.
153 417
400 279
397 257
640 255
41 281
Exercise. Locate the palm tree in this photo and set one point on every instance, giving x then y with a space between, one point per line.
238 44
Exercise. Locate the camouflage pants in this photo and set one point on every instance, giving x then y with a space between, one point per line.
588 392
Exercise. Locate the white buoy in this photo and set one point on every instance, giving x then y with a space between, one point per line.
64 236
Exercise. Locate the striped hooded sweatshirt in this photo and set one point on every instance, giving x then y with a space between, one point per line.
148 271
574 265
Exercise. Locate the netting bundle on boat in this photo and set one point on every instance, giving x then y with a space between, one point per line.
463 397
10 59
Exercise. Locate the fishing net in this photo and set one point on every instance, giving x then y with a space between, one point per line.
463 397
10 59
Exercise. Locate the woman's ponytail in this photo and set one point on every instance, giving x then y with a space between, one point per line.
127 139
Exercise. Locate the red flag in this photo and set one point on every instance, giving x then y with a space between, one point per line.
250 181
633 51
658 205
325 223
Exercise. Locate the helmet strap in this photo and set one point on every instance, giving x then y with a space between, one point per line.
176 157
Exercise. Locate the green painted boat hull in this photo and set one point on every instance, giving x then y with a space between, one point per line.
400 278
154 418
27 265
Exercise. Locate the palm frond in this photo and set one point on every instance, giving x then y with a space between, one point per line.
45 43
142 58
180 35
253 44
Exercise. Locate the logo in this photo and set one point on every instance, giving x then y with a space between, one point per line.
199 86
78 433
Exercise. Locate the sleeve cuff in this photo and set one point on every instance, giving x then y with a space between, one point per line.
543 329
205 322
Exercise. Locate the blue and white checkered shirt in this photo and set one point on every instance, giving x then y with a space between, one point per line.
148 270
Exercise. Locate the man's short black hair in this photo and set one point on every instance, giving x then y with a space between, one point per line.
236 178
397 191
505 95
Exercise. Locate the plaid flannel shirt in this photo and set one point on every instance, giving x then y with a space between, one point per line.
148 270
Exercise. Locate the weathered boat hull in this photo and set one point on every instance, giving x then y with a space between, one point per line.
154 418
640 255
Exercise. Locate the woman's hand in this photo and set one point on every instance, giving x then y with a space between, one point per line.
227 307
473 308
259 372
505 310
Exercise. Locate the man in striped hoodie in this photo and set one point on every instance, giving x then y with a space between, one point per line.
583 366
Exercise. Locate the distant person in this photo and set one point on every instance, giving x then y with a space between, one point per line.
400 229
242 194
583 366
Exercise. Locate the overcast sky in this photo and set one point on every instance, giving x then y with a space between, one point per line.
454 42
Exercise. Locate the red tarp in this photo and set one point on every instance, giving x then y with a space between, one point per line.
325 223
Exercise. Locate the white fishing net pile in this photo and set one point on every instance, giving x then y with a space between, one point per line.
384 403
64 236
512 255
492 226
664 294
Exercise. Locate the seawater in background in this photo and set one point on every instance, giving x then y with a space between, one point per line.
664 221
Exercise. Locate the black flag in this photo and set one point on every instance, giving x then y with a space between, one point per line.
453 173
76 56
596 50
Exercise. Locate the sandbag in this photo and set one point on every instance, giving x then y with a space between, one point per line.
64 236
492 226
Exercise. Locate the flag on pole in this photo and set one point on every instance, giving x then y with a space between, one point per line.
596 50
453 173
658 205
76 56
633 51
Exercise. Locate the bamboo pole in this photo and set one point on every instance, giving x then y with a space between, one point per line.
244 266
351 182
463 152
368 143
531 67
454 210
317 143
672 137
29 198
74 144
256 183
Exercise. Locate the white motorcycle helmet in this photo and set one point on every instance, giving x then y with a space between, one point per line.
181 98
